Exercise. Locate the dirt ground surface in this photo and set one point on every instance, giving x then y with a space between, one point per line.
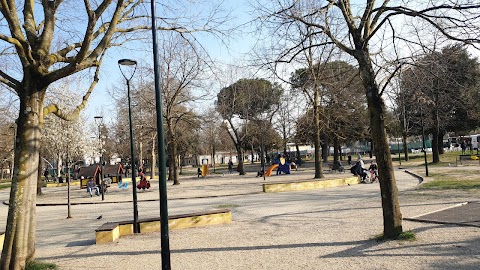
330 228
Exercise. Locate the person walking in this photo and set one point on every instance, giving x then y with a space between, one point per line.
463 145
230 166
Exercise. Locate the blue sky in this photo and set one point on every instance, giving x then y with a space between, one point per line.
232 50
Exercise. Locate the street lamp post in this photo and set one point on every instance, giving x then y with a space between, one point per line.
164 237
132 64
98 121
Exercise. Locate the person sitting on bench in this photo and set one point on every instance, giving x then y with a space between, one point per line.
91 186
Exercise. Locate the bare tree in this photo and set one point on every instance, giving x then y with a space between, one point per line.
48 41
359 30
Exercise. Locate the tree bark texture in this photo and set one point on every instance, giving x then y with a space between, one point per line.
435 146
240 167
336 150
39 176
405 145
317 143
172 154
19 244
324 143
436 139
392 217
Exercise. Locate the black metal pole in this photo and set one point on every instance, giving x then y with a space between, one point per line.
136 229
101 164
68 186
423 141
165 242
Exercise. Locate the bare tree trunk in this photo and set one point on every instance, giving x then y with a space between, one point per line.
240 167
176 181
405 145
19 243
299 157
435 146
316 119
325 148
435 139
441 151
336 147
252 161
171 160
39 176
392 217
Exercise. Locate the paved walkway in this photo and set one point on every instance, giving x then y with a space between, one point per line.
464 214
316 229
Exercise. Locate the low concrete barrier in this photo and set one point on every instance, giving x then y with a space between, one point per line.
2 238
311 184
111 231
64 184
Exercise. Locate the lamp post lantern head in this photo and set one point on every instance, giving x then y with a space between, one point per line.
98 119
132 67
127 62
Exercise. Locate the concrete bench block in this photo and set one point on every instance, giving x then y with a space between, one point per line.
111 231
107 233
307 185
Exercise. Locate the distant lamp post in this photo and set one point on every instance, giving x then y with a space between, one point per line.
98 121
130 66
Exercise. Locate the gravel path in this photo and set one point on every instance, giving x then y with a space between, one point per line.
316 229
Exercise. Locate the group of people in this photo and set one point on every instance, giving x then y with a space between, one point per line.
93 188
359 169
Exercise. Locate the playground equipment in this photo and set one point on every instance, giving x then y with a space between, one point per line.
143 184
122 185
282 166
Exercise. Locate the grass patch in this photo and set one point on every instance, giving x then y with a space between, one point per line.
404 236
453 179
39 265
227 206
452 184
5 183
407 236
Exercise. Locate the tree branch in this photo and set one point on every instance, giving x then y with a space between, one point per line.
9 81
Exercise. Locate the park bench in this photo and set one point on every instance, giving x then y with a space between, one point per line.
111 231
469 157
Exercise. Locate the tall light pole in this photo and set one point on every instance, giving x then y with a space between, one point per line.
132 64
98 121
164 238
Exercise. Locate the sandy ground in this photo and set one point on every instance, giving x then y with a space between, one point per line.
316 229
